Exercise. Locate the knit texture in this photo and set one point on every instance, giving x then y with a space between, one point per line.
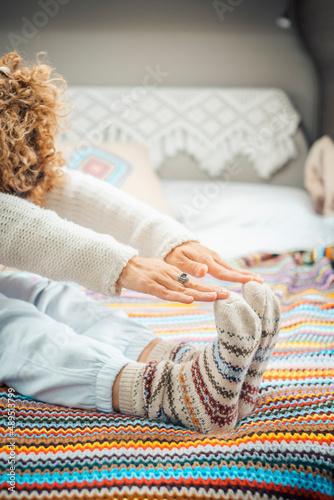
201 394
283 450
266 306
179 353
38 240
98 205
97 229
212 125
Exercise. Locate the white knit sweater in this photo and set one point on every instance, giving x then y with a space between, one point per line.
87 233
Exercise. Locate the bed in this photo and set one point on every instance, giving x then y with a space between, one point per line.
285 448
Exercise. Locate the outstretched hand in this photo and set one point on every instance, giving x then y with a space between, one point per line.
156 277
193 258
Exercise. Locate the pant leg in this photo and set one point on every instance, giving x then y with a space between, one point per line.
47 360
69 304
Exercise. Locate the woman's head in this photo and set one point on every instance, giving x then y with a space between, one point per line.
31 106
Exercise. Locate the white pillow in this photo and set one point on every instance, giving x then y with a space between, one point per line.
240 218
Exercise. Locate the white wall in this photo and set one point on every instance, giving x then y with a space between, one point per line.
113 42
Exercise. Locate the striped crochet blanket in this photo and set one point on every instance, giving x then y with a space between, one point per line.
284 450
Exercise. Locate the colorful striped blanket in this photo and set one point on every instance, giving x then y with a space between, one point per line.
284 450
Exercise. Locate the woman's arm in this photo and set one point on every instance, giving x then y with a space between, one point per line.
38 240
95 204
92 203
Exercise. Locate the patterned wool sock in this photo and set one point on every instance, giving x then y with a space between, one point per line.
178 353
201 394
263 301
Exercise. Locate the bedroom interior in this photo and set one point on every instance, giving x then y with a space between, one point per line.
208 112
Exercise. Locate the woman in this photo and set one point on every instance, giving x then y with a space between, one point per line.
62 347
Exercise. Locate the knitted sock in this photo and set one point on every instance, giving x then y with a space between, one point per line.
263 301
178 353
201 394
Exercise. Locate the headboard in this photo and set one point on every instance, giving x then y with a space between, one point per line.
244 134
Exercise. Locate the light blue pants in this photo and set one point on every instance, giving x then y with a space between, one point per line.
60 346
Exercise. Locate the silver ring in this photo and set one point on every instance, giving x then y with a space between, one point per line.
183 278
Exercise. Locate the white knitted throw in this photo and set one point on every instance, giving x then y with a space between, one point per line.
213 125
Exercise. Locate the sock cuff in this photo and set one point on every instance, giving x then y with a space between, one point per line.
138 344
161 351
130 397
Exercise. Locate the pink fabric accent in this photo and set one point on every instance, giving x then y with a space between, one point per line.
319 175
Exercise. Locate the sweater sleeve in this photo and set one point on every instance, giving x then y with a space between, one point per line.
38 240
101 206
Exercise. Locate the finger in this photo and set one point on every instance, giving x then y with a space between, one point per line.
192 267
207 294
242 271
199 270
238 271
253 276
196 285
163 293
226 275
229 266
222 293
202 296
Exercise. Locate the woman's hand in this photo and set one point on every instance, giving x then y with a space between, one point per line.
156 277
193 258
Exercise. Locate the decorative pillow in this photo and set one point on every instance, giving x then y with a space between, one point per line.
125 165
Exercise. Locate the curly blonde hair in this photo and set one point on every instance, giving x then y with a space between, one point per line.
31 106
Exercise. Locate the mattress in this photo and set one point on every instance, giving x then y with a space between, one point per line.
283 450
240 218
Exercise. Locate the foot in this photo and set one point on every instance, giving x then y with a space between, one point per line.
201 394
178 353
264 303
